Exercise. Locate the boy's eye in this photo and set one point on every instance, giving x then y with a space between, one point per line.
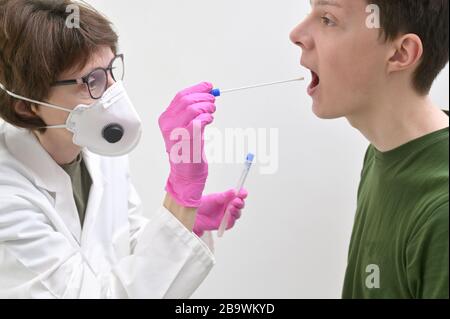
327 21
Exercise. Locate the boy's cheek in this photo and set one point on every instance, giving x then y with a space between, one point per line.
339 93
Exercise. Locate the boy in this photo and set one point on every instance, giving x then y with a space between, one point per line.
379 79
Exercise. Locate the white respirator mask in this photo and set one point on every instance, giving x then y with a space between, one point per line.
109 127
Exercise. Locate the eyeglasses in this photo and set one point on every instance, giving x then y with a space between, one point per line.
97 80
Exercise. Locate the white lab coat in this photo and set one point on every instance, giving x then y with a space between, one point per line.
44 253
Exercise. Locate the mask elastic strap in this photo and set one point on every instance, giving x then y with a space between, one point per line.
33 101
55 126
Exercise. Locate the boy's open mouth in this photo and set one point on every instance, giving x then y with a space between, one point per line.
314 83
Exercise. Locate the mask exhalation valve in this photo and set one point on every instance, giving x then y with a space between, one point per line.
113 133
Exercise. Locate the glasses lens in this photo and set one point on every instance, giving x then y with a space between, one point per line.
117 69
97 83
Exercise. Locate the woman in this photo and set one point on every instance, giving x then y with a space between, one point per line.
71 224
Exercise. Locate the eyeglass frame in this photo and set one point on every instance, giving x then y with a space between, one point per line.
84 79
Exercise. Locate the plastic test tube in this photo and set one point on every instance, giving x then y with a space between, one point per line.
247 165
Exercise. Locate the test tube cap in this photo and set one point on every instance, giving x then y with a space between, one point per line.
250 157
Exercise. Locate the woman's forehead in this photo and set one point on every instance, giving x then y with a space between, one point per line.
100 59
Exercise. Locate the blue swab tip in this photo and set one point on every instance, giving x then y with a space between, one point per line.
215 92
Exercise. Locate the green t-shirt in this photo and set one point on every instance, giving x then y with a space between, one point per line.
81 184
399 244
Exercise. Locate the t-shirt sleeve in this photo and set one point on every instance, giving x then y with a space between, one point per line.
427 257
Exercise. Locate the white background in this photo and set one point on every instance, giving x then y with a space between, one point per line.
293 237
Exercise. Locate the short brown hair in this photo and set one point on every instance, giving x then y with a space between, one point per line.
36 46
429 20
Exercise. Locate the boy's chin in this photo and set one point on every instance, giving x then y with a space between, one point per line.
326 112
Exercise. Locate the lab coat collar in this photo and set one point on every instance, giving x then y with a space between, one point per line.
47 174
25 147
94 167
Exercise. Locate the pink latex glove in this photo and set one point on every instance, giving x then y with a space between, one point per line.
188 114
213 207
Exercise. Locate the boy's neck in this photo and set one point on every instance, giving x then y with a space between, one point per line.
397 121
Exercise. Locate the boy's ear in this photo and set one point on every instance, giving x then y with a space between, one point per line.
406 53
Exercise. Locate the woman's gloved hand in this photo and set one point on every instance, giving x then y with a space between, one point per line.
182 126
213 207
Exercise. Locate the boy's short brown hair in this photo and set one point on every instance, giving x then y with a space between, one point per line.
429 20
37 45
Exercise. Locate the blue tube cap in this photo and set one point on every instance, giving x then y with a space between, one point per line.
250 157
215 92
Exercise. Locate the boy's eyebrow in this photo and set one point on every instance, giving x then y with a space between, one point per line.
333 3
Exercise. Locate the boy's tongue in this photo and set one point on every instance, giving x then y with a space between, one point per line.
315 80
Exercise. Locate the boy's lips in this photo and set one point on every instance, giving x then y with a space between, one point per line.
313 86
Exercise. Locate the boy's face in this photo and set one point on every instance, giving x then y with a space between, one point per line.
346 57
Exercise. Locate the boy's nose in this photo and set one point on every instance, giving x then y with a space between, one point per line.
300 36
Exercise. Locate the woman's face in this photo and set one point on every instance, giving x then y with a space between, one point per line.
69 96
